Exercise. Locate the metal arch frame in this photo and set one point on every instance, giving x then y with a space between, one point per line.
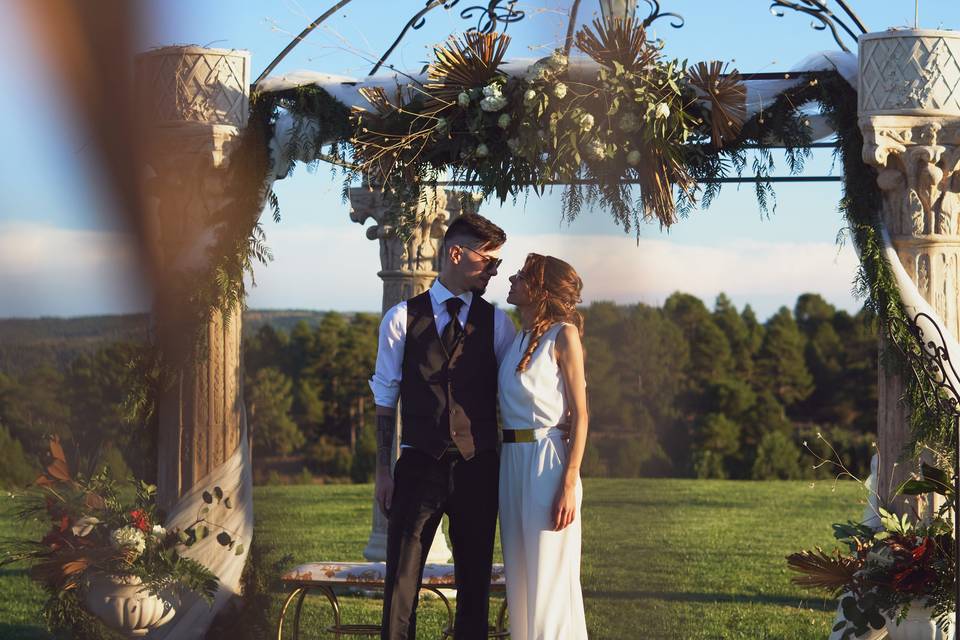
489 17
930 362
823 17
504 12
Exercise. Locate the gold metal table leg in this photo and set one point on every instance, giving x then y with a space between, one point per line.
283 611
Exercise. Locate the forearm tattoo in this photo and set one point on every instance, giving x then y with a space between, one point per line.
385 427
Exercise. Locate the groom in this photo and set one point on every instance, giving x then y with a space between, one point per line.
438 353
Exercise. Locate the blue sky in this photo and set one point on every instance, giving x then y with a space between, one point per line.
60 255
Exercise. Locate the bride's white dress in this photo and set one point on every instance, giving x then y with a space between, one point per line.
542 565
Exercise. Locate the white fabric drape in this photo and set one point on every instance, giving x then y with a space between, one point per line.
235 478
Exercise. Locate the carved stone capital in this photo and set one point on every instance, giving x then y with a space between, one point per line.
407 268
917 160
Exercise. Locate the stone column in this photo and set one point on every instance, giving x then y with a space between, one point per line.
194 103
909 110
407 269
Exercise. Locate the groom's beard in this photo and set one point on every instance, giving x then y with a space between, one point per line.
479 290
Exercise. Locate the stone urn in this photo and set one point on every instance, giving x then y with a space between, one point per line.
909 72
918 625
124 604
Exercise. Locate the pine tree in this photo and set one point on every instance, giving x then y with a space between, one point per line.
780 364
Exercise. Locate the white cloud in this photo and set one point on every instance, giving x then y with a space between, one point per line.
46 270
765 274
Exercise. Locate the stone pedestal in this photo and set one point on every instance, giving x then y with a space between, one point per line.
193 102
407 269
909 109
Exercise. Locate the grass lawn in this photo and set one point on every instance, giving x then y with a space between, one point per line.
661 558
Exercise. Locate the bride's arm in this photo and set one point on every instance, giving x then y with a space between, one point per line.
569 353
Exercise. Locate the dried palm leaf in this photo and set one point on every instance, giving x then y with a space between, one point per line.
619 40
832 573
464 63
725 94
377 97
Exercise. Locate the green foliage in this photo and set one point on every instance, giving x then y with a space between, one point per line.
781 367
15 468
778 458
269 398
364 462
328 458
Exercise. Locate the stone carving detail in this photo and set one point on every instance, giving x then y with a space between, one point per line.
918 159
910 71
191 84
407 267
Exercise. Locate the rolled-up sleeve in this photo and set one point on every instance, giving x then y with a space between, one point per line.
385 382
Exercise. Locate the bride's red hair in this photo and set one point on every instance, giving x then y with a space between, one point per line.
554 288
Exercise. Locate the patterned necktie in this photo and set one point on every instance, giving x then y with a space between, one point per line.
451 332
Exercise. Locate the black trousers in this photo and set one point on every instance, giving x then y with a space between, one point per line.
424 489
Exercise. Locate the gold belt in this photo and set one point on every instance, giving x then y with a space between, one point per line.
518 435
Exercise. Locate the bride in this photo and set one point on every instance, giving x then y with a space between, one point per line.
541 386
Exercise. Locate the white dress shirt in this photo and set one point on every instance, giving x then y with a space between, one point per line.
385 382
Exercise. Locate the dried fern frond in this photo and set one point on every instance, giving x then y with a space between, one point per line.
464 63
832 573
727 98
619 40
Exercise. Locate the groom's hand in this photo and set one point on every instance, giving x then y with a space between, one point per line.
384 488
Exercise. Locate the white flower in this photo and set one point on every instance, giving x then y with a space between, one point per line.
130 539
663 110
513 144
534 72
482 151
493 103
476 196
158 531
84 526
586 122
529 95
492 91
503 121
633 157
560 90
595 149
463 99
558 61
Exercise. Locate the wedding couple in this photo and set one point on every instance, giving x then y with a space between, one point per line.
449 356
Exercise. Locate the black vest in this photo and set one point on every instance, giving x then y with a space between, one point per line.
449 398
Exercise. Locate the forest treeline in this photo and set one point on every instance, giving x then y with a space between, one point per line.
679 390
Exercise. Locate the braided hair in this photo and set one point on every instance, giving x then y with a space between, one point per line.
554 289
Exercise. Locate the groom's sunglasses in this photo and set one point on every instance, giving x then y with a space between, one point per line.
489 262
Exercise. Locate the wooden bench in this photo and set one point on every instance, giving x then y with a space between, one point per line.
328 577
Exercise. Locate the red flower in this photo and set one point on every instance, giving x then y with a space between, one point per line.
139 519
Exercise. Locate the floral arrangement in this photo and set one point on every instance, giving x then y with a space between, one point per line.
638 121
884 571
93 530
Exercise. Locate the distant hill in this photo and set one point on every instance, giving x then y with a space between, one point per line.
26 343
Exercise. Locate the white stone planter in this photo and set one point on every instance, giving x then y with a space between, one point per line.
910 72
917 625
122 603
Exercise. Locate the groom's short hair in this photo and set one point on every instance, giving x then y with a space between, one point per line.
473 226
